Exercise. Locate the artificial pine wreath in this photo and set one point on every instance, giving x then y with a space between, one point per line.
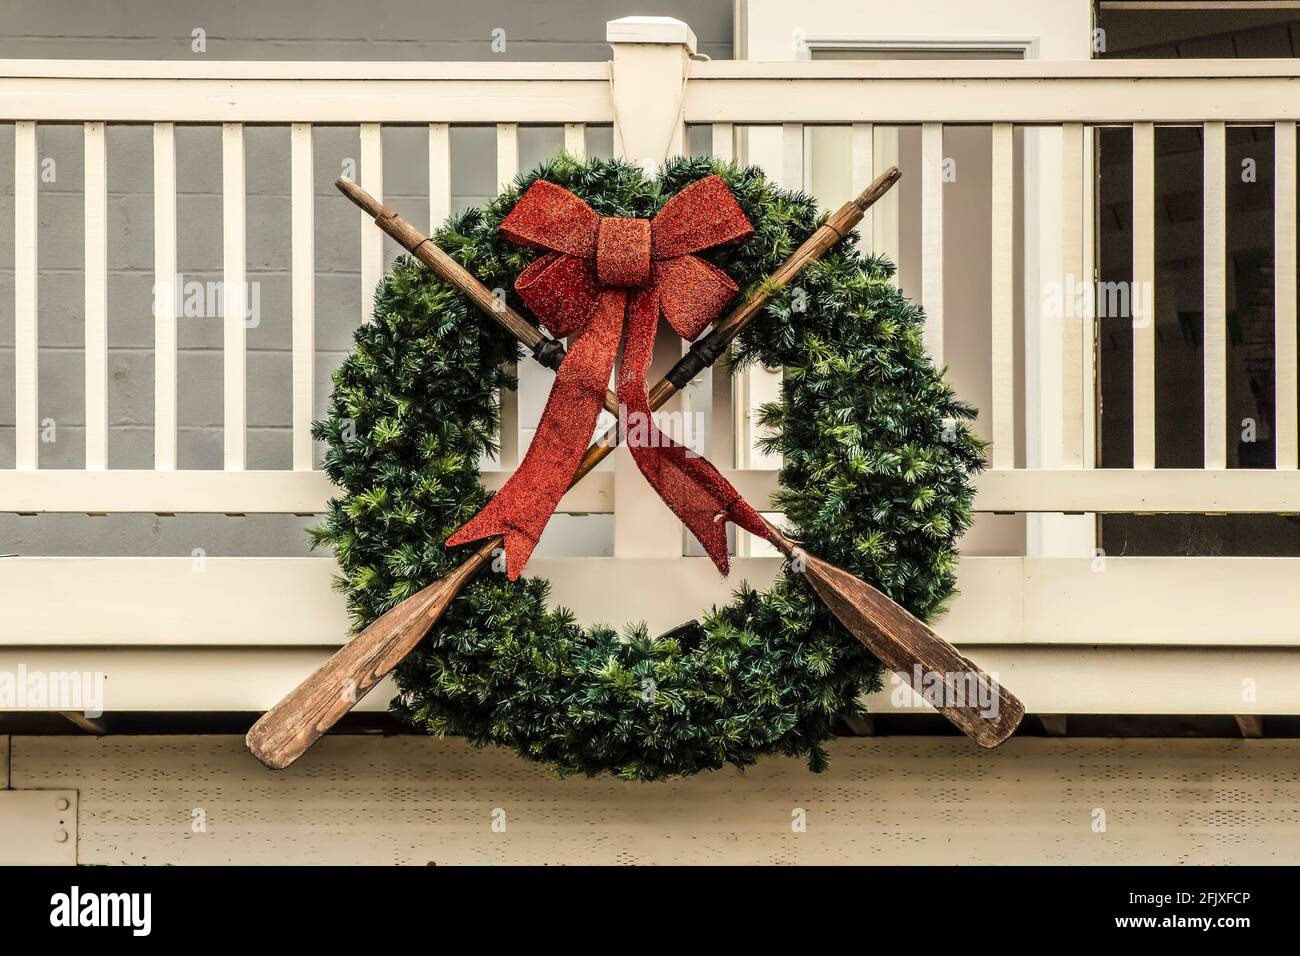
878 461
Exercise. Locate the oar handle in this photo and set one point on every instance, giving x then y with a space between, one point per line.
545 349
298 720
713 346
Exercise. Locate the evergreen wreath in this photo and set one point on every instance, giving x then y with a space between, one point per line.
878 461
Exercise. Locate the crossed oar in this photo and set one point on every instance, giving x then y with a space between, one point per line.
896 637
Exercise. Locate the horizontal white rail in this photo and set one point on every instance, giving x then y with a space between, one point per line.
219 492
1049 680
1034 490
1020 92
1049 92
477 71
210 601
148 99
164 492
1121 490
1061 679
976 69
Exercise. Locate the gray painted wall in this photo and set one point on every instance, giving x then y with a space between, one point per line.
339 29
266 30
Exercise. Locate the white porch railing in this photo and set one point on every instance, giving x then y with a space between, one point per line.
236 636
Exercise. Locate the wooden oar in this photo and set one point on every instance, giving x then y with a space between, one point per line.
548 351
976 703
295 723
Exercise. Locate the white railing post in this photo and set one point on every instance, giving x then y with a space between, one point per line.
1284 296
779 150
303 256
165 296
932 239
521 409
1142 294
1055 383
96 190
648 76
26 419
1002 308
372 240
234 281
1215 273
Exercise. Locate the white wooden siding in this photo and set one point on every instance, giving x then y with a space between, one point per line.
371 800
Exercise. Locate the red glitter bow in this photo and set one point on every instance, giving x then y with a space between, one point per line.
598 275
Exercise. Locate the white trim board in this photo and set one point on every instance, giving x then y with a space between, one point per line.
1050 680
281 602
1031 490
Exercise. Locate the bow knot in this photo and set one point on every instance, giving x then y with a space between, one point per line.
598 275
623 251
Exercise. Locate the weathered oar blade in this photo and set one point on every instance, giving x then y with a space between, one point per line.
978 705
285 731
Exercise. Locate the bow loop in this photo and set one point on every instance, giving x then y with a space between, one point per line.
548 216
691 293
701 216
560 290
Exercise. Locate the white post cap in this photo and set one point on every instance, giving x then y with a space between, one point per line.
650 30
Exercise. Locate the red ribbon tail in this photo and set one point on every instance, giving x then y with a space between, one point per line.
693 489
495 520
701 498
523 506
712 536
